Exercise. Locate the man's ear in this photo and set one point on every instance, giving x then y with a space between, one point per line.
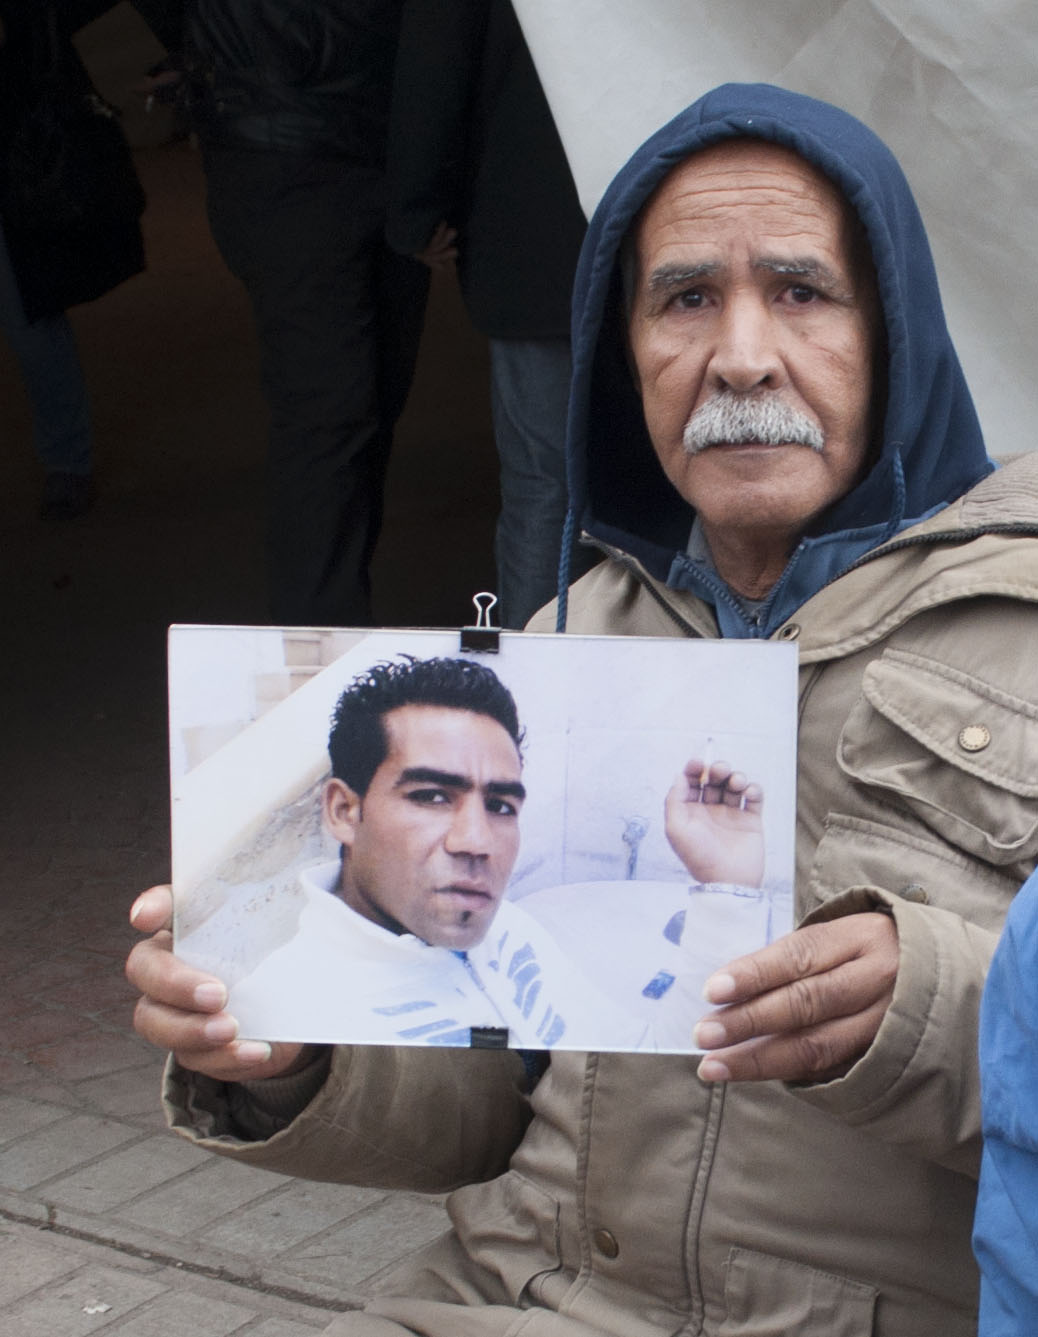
341 810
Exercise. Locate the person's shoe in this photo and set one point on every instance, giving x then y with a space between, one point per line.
66 496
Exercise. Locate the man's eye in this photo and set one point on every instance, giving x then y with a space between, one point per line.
801 294
428 797
501 807
690 300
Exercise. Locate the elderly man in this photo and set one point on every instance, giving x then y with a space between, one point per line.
770 436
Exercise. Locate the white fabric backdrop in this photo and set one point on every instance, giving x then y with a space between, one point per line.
951 87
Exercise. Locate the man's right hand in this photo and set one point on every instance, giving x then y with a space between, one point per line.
182 1009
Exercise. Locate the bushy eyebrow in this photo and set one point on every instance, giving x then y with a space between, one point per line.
668 277
811 270
428 775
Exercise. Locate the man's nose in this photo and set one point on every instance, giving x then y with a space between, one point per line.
746 354
469 832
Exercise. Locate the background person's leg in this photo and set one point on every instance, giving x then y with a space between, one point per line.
49 361
305 237
529 397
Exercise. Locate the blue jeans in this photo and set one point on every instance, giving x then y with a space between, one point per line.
529 388
46 352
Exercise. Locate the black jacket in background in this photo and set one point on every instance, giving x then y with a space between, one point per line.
472 141
60 265
306 75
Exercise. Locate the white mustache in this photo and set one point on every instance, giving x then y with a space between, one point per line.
730 418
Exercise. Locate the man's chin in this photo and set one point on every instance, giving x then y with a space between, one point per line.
464 917
460 938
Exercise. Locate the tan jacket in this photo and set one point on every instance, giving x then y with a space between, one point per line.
640 1201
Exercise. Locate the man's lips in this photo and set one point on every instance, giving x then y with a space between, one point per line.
467 890
466 902
752 445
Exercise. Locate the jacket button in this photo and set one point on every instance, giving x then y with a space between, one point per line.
916 893
974 738
606 1244
789 632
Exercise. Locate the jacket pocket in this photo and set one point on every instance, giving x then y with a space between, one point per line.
910 864
774 1297
960 754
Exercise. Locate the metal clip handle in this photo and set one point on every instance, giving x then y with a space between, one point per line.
483 637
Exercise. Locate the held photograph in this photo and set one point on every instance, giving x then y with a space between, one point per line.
380 837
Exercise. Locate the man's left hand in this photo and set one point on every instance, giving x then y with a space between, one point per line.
441 250
804 1008
712 818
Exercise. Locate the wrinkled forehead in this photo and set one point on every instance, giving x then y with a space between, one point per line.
721 171
748 176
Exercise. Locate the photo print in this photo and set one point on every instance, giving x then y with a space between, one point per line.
379 837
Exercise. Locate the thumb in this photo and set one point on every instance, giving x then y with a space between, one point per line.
153 910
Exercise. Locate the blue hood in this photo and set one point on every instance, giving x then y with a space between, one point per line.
931 450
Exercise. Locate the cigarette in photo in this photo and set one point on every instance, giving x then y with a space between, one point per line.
704 775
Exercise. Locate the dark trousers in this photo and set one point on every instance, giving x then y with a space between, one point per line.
338 317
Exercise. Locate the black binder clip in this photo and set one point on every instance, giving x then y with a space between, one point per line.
488 1037
482 638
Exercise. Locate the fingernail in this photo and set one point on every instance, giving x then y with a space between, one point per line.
719 988
135 910
712 1070
252 1051
210 996
709 1034
220 1030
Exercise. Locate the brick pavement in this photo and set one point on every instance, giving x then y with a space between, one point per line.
107 1222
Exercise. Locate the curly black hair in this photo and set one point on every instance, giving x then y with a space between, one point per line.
358 743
